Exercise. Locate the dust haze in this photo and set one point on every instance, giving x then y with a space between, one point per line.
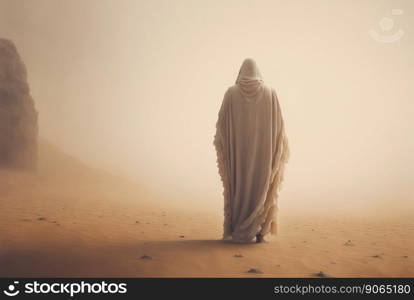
135 87
128 94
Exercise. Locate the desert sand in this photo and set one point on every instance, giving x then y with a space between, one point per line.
69 219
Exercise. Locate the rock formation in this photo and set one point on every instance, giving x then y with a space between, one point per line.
18 116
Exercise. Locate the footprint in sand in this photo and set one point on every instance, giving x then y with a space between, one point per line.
254 271
146 257
41 219
136 222
182 236
376 256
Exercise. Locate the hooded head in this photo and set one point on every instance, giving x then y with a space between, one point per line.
249 71
250 80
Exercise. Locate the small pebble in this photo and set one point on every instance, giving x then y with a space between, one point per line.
255 271
321 274
348 243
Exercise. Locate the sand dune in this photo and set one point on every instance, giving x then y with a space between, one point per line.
72 220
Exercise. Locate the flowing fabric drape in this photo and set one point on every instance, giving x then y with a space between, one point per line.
252 149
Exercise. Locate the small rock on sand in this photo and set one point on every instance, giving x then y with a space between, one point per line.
182 236
41 219
255 271
377 256
321 274
348 243
146 257
237 255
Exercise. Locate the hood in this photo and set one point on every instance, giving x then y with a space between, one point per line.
250 80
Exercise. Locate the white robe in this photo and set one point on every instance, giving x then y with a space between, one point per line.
252 149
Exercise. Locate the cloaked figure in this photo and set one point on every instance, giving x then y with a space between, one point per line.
252 149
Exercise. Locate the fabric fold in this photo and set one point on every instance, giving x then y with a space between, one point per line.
252 149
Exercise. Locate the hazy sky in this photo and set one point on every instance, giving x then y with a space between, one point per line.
135 86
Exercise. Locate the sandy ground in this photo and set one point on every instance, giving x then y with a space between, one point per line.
71 220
